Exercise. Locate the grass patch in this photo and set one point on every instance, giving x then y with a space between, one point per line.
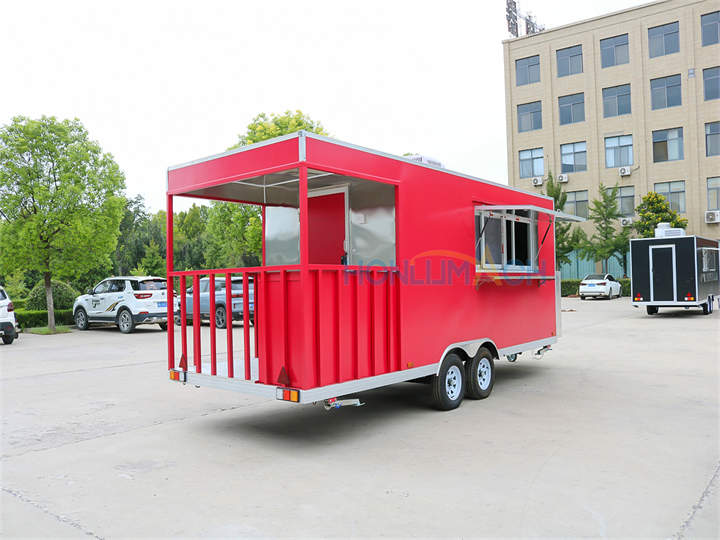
45 331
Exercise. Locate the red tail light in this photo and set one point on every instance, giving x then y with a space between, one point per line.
143 296
603 283
237 295
11 307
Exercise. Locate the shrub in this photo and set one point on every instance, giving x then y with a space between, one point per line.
569 286
18 303
625 284
63 296
31 318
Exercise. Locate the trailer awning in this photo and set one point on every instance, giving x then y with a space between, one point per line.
559 216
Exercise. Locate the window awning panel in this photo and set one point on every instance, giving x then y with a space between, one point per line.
559 216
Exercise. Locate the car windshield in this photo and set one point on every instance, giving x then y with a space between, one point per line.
149 285
594 276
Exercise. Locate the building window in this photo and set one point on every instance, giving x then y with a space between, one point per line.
614 51
527 70
674 192
530 116
664 39
572 108
710 23
712 139
574 157
713 188
577 203
626 200
569 61
665 92
616 100
506 240
711 81
668 145
618 151
532 163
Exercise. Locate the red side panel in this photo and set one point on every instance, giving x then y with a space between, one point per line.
326 224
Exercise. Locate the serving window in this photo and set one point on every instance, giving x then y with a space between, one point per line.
506 240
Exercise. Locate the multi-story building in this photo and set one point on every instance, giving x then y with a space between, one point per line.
631 98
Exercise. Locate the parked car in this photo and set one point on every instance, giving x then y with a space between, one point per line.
125 301
220 301
600 285
8 324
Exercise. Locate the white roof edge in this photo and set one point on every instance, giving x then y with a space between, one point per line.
562 216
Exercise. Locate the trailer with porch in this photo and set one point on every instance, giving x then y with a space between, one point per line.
375 270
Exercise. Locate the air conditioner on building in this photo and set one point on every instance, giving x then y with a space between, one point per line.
626 221
562 178
537 181
624 171
712 216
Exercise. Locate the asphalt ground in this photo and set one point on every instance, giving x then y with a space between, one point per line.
615 432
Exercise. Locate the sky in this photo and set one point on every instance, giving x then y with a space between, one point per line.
160 83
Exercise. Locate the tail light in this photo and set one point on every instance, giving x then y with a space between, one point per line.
583 283
143 296
10 307
602 283
287 394
237 295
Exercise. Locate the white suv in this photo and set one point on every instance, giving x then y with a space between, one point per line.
125 301
8 325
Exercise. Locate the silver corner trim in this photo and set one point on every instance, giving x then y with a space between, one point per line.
302 146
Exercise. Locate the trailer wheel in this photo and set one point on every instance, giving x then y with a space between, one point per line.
220 317
448 385
480 374
651 310
707 310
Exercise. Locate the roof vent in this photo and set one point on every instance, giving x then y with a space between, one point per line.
664 230
425 160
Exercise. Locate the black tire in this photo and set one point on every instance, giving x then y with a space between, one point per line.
480 375
651 310
81 319
125 321
582 297
706 309
7 340
448 386
163 326
220 317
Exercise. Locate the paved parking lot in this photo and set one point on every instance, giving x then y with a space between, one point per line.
613 433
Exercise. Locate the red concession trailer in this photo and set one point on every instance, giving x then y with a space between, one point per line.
375 270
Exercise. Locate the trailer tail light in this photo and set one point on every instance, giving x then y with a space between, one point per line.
10 307
638 298
174 376
689 298
287 394
143 296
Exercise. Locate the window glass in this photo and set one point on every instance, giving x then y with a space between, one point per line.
493 242
508 240
616 100
577 203
666 92
529 116
532 163
674 192
712 139
148 285
664 39
710 23
711 83
668 145
618 151
614 51
102 287
3 296
527 70
572 108
116 285
626 200
573 157
713 193
569 61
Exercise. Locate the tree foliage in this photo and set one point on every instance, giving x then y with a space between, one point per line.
152 264
567 237
265 126
606 241
60 201
654 209
63 296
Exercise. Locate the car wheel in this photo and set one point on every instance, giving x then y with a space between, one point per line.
582 297
448 386
7 340
220 317
125 321
81 319
651 310
163 326
480 375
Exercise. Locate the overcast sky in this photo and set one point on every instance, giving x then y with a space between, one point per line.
160 83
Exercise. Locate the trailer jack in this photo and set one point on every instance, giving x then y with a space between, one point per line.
540 352
335 403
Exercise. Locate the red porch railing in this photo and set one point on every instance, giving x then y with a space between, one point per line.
326 325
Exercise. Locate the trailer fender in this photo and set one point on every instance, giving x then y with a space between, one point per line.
470 348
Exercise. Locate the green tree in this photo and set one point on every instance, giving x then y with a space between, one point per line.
606 241
567 238
60 200
190 237
264 127
15 285
132 239
152 264
654 209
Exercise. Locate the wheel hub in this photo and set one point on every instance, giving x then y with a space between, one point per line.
453 382
484 373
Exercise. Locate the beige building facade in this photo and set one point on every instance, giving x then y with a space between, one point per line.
638 90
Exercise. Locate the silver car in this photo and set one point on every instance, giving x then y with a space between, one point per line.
220 301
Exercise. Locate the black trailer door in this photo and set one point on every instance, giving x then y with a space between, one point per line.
662 273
